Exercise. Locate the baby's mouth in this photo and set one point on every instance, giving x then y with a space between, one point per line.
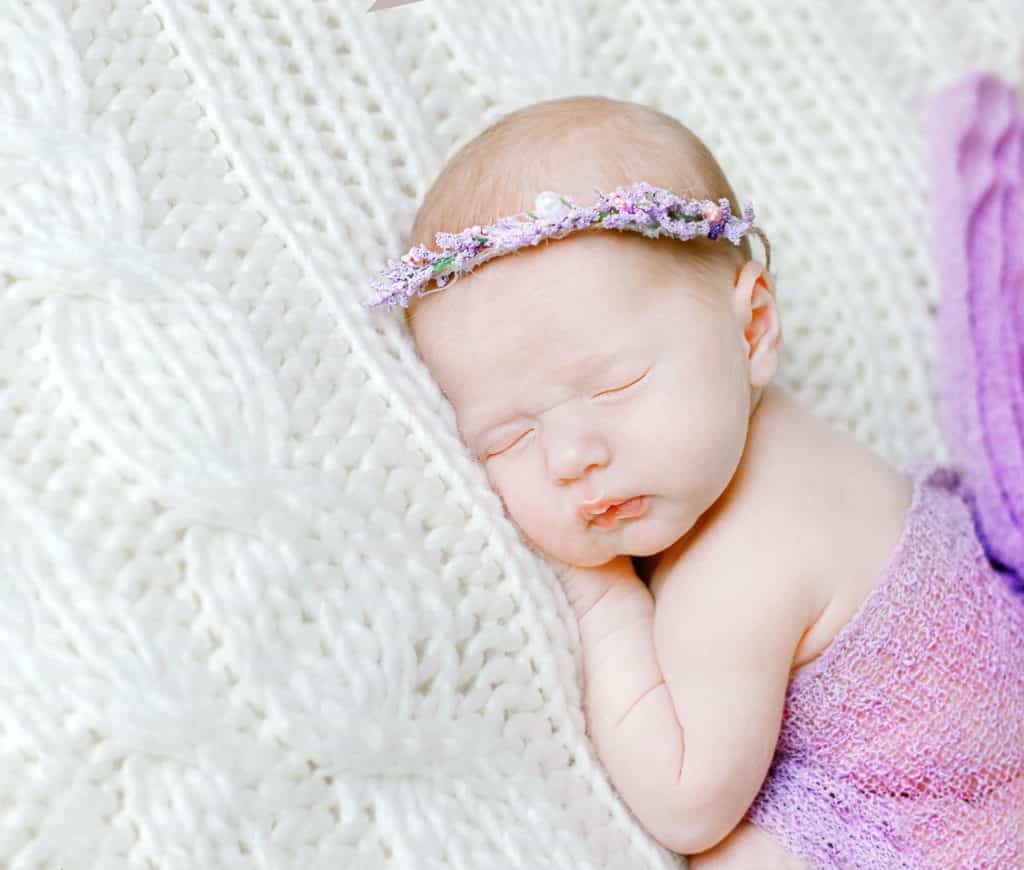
635 507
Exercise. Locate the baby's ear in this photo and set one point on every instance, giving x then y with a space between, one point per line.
756 310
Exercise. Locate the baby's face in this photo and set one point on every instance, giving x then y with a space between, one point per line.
592 366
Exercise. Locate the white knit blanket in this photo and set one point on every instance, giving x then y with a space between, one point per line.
258 608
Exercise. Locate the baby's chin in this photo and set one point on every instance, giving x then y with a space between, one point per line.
597 546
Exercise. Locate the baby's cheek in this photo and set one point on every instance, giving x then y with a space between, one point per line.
529 509
537 516
512 497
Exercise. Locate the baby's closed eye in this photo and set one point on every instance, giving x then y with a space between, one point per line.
509 445
626 386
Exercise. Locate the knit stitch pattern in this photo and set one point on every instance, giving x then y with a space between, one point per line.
258 606
902 745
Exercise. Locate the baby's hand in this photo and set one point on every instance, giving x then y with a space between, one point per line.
584 587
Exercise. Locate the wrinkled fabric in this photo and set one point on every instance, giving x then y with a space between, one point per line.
975 132
902 745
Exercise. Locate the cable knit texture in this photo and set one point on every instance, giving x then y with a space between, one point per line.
902 746
258 606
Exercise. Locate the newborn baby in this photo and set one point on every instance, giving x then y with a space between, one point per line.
721 546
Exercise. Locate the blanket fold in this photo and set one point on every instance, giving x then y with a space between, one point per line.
976 154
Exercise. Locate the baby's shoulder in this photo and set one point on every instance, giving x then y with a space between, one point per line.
763 545
819 534
860 507
851 520
820 537
782 521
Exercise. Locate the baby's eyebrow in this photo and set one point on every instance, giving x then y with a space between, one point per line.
592 363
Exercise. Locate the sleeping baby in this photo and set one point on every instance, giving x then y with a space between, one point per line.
795 653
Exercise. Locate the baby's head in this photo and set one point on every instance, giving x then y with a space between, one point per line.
606 363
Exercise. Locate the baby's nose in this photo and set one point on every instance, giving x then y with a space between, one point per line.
572 456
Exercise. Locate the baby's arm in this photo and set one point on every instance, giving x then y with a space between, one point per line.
712 663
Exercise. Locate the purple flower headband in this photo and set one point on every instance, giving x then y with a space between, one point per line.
643 208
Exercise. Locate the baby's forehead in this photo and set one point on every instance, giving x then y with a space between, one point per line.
553 296
592 269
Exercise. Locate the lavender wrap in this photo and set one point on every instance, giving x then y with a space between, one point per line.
902 745
976 153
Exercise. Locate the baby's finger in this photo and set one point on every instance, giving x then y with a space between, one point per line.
584 587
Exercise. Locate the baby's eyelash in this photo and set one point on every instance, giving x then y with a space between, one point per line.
528 431
509 447
630 384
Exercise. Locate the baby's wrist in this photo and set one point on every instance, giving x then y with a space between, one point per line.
604 588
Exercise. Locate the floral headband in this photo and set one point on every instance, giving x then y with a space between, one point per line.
643 208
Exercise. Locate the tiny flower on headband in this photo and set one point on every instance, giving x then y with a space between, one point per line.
643 208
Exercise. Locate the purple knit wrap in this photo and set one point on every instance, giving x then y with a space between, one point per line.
976 149
902 746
